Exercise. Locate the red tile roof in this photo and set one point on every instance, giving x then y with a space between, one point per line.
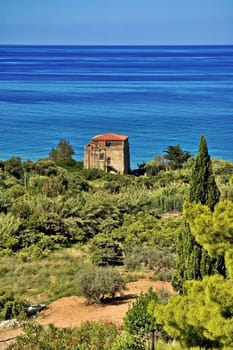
109 137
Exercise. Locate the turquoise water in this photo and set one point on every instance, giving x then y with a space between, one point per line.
157 95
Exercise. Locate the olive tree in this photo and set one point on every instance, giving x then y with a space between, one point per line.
99 283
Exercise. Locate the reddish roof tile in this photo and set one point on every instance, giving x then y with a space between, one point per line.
109 137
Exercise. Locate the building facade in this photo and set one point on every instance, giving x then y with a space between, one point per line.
108 152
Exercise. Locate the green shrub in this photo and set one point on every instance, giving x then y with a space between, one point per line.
159 260
105 252
16 191
32 252
140 322
128 342
133 277
11 307
112 187
99 283
137 320
163 275
5 201
132 263
92 174
89 336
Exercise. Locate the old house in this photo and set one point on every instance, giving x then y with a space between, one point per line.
108 152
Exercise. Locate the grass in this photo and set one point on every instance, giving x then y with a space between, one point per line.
50 278
133 277
43 280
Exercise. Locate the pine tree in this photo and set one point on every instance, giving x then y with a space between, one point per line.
193 261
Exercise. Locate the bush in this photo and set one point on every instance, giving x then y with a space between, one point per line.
113 187
128 342
89 336
132 261
163 275
159 260
137 320
133 277
105 252
92 174
140 322
99 283
10 306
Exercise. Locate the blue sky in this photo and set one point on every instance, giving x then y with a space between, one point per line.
112 22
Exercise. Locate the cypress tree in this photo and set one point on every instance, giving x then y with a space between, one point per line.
203 186
193 261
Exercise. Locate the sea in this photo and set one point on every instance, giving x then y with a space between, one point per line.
157 95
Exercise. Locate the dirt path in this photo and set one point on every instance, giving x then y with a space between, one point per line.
73 311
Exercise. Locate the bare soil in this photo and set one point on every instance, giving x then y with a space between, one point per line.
73 311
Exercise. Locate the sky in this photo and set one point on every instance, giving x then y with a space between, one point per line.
116 22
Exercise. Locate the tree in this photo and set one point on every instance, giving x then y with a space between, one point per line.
176 156
46 167
14 167
203 186
105 252
62 155
202 317
138 321
193 261
155 166
213 230
99 283
9 232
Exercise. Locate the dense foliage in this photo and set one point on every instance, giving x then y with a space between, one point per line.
62 154
11 306
203 186
56 219
89 336
203 316
44 206
140 322
176 156
98 283
105 251
193 261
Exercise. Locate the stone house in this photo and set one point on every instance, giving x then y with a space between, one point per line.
109 152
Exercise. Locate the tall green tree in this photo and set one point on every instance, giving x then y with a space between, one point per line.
176 156
204 315
193 261
62 155
203 186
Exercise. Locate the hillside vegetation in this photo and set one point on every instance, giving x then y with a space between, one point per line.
58 220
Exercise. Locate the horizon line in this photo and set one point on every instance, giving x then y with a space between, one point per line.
33 44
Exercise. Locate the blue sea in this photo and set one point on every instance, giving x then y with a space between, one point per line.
157 95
